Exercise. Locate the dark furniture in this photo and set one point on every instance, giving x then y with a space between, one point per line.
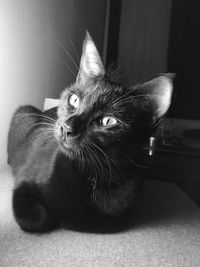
154 37
179 165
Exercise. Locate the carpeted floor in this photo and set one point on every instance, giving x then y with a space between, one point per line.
166 232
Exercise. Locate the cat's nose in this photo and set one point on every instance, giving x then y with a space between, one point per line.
66 131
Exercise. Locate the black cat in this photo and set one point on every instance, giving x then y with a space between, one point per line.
75 166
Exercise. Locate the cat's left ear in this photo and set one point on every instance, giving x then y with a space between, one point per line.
154 96
91 65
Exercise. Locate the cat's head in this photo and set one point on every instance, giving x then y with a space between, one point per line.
98 115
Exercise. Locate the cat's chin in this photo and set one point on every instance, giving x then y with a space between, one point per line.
68 150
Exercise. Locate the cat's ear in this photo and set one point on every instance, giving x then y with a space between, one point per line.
155 96
91 65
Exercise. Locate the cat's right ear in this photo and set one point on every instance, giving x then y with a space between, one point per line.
91 65
154 97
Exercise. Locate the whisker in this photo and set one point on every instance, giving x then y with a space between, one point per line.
136 164
108 163
82 163
65 50
81 160
123 101
67 66
50 138
35 114
115 164
91 163
100 169
97 165
116 100
133 97
40 132
39 124
117 167
74 48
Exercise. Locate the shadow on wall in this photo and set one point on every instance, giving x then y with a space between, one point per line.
33 63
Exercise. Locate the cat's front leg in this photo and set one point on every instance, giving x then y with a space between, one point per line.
31 211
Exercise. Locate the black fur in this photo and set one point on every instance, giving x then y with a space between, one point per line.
71 170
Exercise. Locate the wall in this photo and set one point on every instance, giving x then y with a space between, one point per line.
33 64
144 34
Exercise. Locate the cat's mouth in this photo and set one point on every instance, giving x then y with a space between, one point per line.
67 146
70 149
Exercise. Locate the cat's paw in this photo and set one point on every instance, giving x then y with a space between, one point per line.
29 212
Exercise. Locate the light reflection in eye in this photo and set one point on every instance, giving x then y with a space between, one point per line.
74 101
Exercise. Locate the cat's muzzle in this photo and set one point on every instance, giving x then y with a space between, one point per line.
65 132
66 138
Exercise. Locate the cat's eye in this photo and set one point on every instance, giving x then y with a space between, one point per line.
108 121
74 101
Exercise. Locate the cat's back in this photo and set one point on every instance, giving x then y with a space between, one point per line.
31 148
